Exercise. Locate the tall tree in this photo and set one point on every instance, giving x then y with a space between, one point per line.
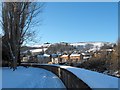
17 17
114 62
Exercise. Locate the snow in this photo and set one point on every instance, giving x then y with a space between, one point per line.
75 55
99 44
93 49
96 45
42 56
25 52
41 45
46 55
85 54
30 78
64 56
38 50
93 79
41 78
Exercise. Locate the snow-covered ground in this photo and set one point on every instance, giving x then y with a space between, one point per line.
29 78
95 45
41 78
93 79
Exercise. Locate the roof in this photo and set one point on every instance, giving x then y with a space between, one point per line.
54 55
85 53
64 56
75 55
44 55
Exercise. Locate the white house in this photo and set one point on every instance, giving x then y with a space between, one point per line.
43 59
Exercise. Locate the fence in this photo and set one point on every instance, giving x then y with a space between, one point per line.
69 79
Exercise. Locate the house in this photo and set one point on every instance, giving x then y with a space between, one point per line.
64 58
43 59
25 58
75 57
54 58
103 52
85 56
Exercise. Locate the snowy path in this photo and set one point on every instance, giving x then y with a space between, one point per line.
30 78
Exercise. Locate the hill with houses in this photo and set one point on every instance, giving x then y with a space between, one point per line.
66 52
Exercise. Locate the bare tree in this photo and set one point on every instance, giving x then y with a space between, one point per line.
114 62
17 17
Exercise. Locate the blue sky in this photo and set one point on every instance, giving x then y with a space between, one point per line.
79 22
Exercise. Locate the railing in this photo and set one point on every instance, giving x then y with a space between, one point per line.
69 79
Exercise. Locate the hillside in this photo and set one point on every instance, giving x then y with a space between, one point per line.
91 46
81 46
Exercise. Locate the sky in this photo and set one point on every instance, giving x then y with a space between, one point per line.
79 22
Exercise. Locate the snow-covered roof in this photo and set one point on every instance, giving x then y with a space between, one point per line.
54 55
64 56
46 55
75 55
86 57
85 53
42 56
